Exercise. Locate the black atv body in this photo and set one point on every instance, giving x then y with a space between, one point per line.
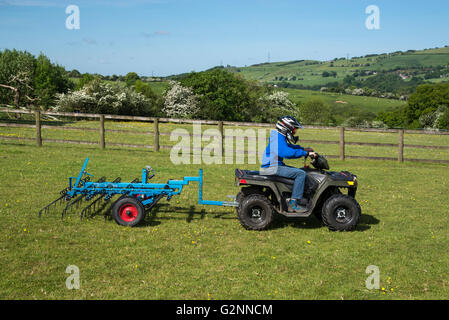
263 196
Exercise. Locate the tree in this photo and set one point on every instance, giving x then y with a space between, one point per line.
443 120
275 105
85 79
49 79
315 111
224 95
16 77
100 97
180 102
394 118
74 74
131 78
26 81
156 101
426 99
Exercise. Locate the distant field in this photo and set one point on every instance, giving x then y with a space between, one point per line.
159 86
371 104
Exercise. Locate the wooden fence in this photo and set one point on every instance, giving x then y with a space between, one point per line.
220 125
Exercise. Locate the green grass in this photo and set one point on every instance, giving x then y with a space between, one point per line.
159 86
187 251
371 104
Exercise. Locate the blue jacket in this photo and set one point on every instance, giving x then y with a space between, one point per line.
278 148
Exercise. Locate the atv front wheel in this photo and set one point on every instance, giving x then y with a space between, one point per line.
255 213
341 213
318 210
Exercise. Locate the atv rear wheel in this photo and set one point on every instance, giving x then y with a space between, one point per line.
244 192
128 211
239 199
255 212
341 213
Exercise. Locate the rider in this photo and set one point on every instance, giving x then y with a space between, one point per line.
282 145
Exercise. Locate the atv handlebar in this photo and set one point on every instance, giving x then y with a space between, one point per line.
310 150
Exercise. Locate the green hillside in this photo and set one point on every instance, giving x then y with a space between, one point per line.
369 104
310 72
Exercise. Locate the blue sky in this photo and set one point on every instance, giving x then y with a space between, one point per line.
164 37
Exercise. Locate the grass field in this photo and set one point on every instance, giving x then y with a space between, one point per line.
309 72
186 251
370 104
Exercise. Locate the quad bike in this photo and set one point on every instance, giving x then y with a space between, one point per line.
263 197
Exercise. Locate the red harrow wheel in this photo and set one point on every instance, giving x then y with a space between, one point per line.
128 211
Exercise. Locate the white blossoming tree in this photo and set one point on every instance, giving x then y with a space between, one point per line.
275 105
180 102
101 97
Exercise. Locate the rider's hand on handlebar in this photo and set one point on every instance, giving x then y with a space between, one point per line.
312 155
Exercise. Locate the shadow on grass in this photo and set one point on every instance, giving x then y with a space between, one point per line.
155 215
312 222
365 222
302 223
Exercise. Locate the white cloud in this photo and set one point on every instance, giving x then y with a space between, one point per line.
89 41
155 33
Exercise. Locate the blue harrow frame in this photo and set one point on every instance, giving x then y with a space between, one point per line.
148 194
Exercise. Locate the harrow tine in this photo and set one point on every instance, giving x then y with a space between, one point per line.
96 201
54 202
63 194
91 206
70 204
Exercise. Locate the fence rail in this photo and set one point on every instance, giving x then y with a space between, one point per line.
156 146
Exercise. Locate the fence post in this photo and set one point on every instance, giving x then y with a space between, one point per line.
102 140
342 143
156 135
220 129
401 146
37 115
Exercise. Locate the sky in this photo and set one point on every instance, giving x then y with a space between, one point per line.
165 37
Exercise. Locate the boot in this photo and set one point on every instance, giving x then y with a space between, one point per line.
298 205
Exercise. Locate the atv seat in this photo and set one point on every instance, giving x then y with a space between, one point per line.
255 175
